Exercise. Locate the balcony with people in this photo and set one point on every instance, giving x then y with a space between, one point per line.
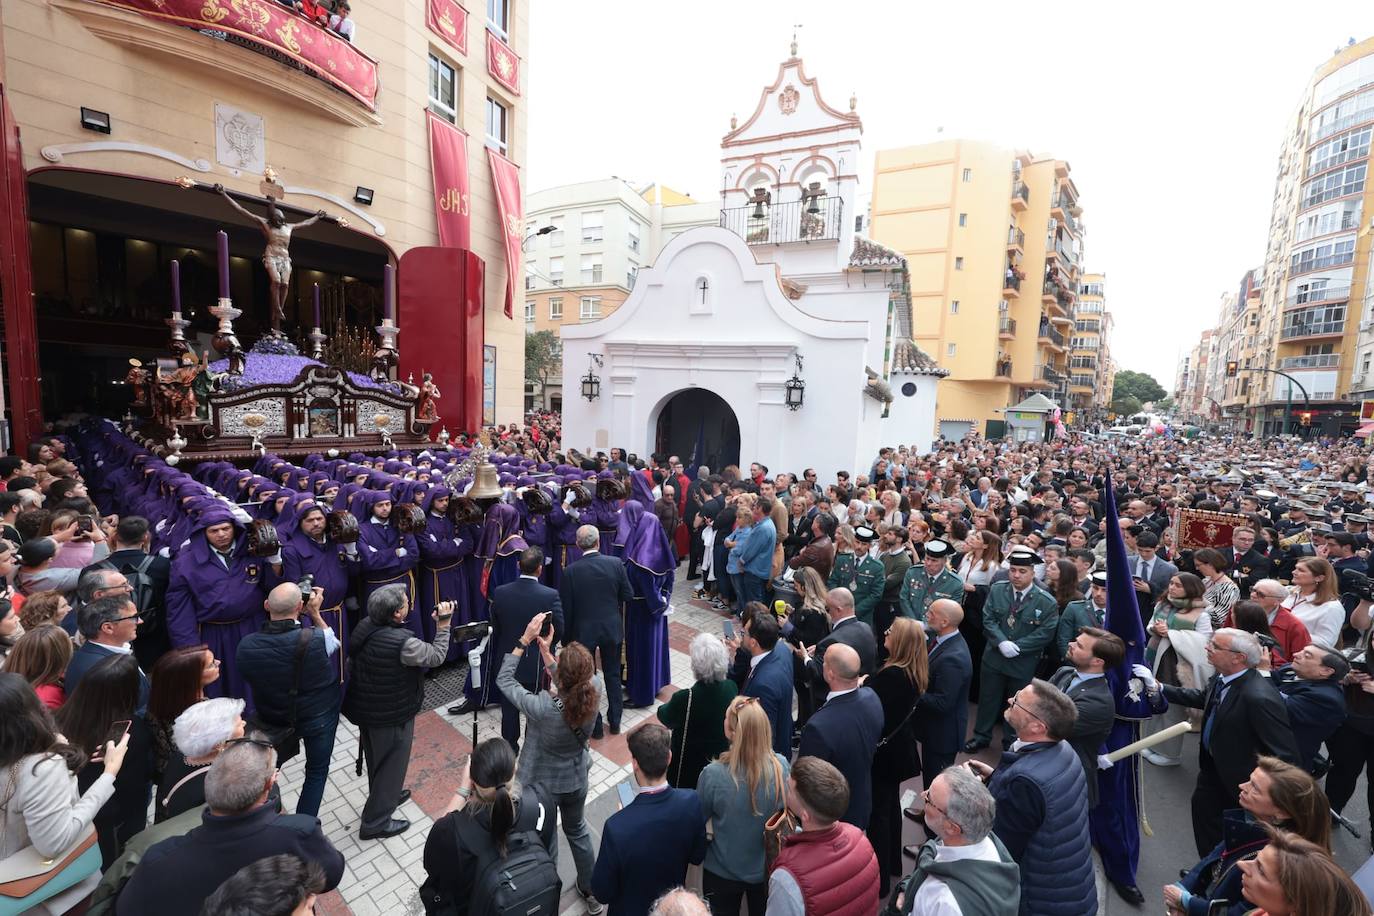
311 40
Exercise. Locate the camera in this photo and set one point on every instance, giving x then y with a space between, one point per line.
307 586
443 610
1358 584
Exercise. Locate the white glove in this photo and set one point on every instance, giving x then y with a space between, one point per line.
400 551
457 542
241 514
275 559
351 549
1104 762
1143 672
574 514
1008 648
162 523
568 499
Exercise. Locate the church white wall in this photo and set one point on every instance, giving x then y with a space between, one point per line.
911 419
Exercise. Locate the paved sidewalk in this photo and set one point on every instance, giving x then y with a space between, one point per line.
383 876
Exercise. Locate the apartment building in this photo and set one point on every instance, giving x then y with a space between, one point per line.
584 245
1091 369
994 242
131 112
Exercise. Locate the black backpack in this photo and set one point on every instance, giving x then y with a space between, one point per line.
142 585
524 882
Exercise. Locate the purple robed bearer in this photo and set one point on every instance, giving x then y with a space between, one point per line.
388 557
499 548
650 566
215 595
443 575
309 551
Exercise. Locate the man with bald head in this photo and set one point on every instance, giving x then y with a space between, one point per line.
296 684
942 710
845 731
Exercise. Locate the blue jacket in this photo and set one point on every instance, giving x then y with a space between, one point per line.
845 732
942 711
86 657
756 555
771 682
646 848
1042 817
1217 876
1315 710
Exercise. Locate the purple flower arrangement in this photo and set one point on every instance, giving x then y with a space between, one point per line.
281 369
270 345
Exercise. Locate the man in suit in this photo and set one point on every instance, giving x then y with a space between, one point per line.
1020 619
845 629
845 731
1150 573
770 677
647 846
942 711
129 556
513 606
1243 717
592 591
1091 654
1248 565
109 626
1311 689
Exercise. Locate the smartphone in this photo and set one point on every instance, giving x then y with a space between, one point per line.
729 627
85 523
547 629
626 791
116 734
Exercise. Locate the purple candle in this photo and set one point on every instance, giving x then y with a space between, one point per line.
388 292
222 239
317 305
176 285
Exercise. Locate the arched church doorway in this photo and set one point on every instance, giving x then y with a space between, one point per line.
695 417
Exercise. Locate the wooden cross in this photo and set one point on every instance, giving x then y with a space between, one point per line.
269 187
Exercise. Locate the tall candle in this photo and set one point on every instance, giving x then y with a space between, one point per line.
317 305
176 285
222 239
388 292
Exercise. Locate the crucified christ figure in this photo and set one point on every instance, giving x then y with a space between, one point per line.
276 258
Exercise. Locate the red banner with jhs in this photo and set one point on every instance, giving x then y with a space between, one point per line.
510 208
448 157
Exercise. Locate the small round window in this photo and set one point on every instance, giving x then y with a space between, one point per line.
909 389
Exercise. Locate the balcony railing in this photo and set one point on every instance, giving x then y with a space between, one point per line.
1340 124
1016 238
1047 331
1003 369
1006 326
1322 294
1315 361
1011 281
1312 329
1047 373
1311 264
779 224
1020 190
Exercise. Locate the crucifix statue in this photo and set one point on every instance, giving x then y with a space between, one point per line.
276 257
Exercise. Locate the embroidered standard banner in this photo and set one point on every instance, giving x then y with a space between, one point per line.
450 22
276 31
503 64
448 162
510 209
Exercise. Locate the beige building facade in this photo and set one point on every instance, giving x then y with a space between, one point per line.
115 103
993 241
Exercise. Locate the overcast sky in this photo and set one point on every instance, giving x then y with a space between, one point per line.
1171 114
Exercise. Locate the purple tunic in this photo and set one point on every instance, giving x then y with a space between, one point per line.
377 546
443 575
334 571
499 548
649 566
210 603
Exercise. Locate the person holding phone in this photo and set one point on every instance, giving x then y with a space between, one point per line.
513 607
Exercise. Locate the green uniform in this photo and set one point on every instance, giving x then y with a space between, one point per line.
1079 614
919 590
1033 627
842 573
868 587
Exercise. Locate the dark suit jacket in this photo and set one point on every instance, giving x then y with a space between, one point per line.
845 732
1252 720
771 682
1315 710
1258 564
85 658
592 590
942 711
1161 571
646 848
513 606
1096 715
852 632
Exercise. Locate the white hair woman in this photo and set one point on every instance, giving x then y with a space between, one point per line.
697 716
200 734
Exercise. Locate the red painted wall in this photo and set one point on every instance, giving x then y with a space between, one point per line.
16 285
440 298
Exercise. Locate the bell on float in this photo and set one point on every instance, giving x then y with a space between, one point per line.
485 486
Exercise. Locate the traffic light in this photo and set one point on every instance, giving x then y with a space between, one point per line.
1232 368
1305 417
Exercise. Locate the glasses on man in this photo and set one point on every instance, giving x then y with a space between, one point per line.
133 616
259 742
1212 644
1016 701
930 803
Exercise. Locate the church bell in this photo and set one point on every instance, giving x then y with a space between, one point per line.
485 485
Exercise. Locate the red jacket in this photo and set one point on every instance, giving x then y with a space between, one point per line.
835 869
1289 632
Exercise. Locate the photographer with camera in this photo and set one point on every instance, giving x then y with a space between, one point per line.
293 675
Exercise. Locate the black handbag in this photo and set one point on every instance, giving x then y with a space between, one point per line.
283 737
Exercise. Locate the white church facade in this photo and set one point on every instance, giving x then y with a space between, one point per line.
780 336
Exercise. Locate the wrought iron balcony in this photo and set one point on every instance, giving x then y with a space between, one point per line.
1006 327
1020 195
1016 239
1011 280
1003 368
779 224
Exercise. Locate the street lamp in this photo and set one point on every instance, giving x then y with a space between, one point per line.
591 383
795 389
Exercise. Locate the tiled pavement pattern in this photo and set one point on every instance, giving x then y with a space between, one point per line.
383 876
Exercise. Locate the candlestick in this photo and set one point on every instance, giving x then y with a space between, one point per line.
176 285
317 305
222 241
388 292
